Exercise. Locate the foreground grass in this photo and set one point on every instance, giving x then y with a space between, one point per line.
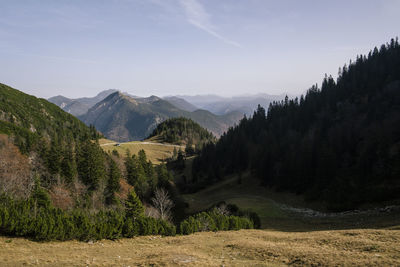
234 248
155 152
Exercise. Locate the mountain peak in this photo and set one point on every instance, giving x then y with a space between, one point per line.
150 99
80 106
105 93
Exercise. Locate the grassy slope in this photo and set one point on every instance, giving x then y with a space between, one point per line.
240 248
272 207
156 153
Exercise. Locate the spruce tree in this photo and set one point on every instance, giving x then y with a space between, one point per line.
133 206
91 164
39 196
68 166
113 186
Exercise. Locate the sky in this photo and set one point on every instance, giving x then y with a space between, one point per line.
78 48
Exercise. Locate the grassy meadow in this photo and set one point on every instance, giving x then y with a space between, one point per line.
358 247
156 152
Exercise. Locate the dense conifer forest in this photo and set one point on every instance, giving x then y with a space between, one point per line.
182 131
340 143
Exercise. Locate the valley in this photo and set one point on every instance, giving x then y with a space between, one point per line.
186 177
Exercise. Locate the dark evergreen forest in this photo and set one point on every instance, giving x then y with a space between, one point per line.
340 143
182 131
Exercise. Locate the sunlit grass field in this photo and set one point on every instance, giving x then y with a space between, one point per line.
358 247
156 152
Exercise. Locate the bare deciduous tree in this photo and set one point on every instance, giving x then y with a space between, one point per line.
223 209
15 177
162 203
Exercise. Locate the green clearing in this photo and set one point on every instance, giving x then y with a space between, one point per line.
272 208
155 152
241 195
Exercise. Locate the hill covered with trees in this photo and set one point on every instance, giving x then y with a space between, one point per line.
56 183
50 137
340 143
182 131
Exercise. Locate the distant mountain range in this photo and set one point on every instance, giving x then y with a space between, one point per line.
124 117
79 106
223 105
181 103
121 117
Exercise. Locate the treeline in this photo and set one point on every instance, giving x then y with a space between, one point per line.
340 143
182 131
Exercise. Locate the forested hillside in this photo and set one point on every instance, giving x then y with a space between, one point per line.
28 119
340 143
56 183
62 150
182 131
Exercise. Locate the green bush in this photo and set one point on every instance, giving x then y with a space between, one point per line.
212 221
43 223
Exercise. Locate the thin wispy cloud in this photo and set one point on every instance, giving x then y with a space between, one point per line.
197 15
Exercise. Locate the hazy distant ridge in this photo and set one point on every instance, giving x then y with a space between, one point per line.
124 118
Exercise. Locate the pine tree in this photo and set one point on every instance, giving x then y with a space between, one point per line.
164 176
54 157
133 206
39 197
113 186
68 166
91 164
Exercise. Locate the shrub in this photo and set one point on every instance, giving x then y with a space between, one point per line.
212 221
23 218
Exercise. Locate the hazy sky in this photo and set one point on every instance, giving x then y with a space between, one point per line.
165 47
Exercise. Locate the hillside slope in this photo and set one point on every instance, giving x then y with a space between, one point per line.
123 118
181 103
55 147
339 144
28 118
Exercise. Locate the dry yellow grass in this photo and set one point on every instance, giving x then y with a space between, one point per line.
234 248
155 152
